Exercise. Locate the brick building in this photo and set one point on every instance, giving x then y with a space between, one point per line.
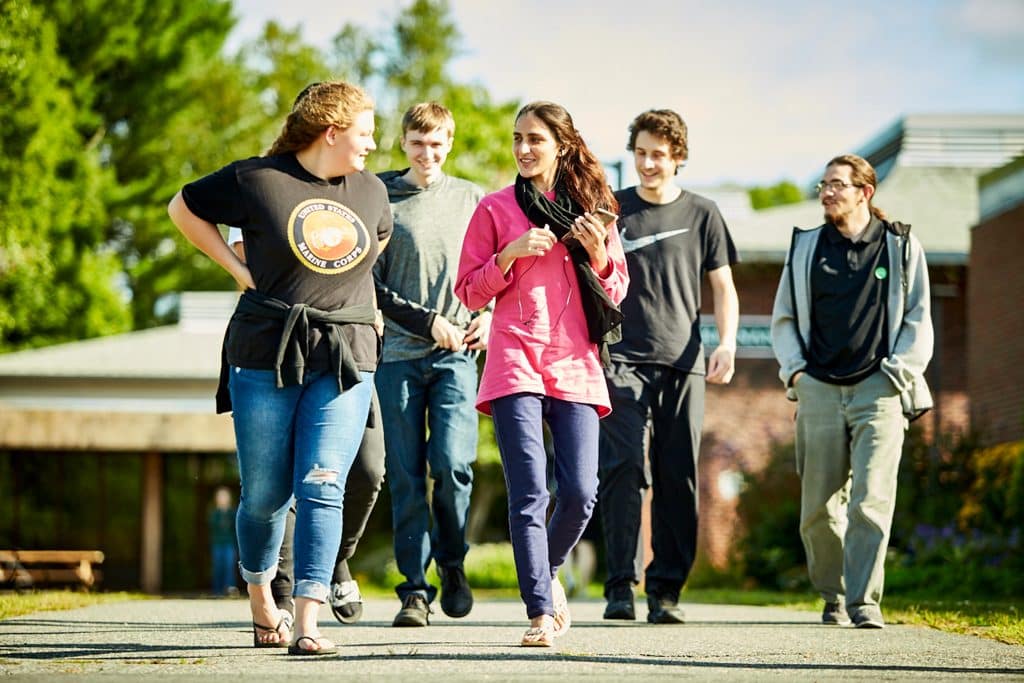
995 316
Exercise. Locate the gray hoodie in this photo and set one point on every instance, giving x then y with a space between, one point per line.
415 275
911 337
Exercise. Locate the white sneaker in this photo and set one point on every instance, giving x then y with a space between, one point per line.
346 602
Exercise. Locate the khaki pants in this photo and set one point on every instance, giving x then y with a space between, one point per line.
848 445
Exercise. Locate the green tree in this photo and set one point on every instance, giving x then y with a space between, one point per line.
411 64
165 106
784 192
136 98
142 71
57 282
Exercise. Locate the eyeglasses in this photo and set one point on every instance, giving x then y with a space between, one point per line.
834 185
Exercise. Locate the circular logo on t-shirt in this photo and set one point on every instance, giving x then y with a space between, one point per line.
327 237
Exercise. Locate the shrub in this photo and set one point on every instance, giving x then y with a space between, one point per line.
770 553
956 532
960 520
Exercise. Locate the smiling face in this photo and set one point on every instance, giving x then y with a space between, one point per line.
426 153
353 144
652 156
536 151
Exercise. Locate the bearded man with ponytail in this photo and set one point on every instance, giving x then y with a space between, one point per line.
301 349
852 331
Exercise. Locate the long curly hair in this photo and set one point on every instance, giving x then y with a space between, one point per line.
578 168
317 107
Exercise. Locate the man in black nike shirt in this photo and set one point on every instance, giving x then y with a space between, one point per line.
671 238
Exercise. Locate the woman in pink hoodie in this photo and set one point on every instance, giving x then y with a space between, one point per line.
556 273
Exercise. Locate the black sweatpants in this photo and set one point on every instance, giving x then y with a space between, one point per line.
663 407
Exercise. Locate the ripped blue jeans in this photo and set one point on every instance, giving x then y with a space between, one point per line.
295 441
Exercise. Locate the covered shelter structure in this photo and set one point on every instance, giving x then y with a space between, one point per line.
147 394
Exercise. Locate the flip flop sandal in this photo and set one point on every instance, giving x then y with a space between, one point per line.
563 619
295 649
284 621
538 636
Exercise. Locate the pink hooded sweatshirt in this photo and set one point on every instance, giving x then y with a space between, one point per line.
538 340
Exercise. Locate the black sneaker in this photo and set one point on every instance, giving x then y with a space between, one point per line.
620 604
346 602
834 614
456 597
663 609
415 611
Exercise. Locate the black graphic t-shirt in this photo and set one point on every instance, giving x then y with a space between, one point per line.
668 249
307 240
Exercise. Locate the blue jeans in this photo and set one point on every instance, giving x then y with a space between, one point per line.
294 441
225 559
436 395
540 549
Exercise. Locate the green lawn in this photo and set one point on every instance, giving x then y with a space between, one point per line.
1002 621
16 604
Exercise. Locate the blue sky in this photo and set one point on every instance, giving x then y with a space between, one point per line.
769 90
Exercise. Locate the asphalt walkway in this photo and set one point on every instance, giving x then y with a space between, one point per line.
212 638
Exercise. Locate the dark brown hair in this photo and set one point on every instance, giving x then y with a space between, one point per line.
662 123
582 173
861 173
319 106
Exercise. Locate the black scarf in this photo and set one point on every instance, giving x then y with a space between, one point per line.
602 314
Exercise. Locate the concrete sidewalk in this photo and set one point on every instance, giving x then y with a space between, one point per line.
203 638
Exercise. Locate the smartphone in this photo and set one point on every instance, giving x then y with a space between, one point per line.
604 215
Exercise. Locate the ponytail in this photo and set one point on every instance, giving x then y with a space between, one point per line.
861 173
317 107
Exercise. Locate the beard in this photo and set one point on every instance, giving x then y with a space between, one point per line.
835 216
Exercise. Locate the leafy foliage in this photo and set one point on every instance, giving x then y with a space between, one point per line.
770 551
54 283
957 530
411 64
112 105
784 192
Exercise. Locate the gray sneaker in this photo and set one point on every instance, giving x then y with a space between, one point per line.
415 611
834 614
867 616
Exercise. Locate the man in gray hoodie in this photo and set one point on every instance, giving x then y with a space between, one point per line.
427 377
852 330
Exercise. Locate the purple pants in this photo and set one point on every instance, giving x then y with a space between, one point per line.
539 548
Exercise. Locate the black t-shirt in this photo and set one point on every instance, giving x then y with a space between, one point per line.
849 286
307 240
668 249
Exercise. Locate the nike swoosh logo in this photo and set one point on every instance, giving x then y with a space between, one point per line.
629 245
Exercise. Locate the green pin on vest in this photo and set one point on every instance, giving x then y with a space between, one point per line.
880 273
